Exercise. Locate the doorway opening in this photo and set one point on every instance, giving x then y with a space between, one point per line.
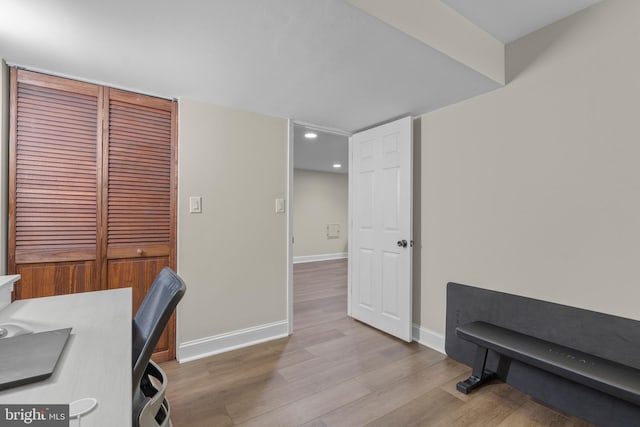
319 212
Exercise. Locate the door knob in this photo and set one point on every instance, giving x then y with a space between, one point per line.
139 251
402 243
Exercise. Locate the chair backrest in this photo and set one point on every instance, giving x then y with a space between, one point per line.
152 317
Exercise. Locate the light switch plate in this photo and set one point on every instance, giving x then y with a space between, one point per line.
279 205
195 204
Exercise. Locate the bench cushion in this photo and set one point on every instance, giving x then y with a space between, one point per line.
604 375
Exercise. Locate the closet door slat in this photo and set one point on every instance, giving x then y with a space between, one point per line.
139 177
49 173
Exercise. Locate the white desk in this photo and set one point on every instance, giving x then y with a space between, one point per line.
96 361
6 286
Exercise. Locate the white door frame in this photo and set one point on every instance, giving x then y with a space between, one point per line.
289 214
289 210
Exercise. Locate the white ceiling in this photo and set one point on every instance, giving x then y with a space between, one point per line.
508 20
317 61
321 153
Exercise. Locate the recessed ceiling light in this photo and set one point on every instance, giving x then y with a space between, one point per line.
337 165
311 135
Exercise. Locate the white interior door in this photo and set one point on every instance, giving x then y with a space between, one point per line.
380 243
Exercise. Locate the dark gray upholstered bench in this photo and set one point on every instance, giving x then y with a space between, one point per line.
607 376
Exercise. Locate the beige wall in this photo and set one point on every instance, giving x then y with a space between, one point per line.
319 198
233 255
534 189
4 162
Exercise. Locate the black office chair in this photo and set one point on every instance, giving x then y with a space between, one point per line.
150 320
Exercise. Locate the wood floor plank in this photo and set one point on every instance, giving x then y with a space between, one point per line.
306 340
533 414
311 407
309 380
335 371
414 364
387 397
420 411
314 423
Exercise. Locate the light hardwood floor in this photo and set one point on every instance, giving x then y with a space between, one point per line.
335 371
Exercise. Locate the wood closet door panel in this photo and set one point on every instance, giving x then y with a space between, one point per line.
140 176
139 274
54 177
43 280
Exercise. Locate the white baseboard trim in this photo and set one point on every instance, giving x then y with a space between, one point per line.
429 338
321 257
203 347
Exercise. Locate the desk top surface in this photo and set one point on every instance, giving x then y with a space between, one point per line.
96 361
9 280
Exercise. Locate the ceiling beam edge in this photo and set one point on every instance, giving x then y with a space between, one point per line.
442 28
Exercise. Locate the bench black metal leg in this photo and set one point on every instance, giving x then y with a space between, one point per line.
479 375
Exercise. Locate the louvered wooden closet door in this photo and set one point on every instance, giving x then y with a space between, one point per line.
54 178
139 172
92 187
